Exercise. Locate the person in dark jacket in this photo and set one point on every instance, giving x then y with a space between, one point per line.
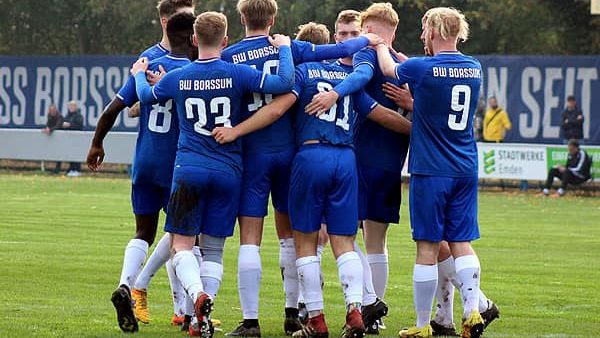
73 121
54 121
572 117
577 170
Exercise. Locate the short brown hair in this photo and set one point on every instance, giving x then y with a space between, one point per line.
166 8
347 16
380 11
257 13
313 32
210 28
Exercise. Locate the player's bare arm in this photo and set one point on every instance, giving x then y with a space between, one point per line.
400 95
391 120
386 63
264 117
95 155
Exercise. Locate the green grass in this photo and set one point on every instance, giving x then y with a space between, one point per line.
62 240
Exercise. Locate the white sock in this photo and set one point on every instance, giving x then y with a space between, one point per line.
468 274
189 306
133 260
483 302
350 272
177 291
211 274
309 269
369 295
425 278
249 276
188 272
379 271
158 258
198 254
287 263
445 293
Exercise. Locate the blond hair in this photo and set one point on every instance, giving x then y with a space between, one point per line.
448 22
381 12
347 16
313 32
210 28
257 13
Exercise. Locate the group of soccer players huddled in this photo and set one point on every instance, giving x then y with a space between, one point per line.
324 131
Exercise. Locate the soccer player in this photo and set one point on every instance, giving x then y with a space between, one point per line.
207 176
324 181
151 176
443 163
267 158
380 152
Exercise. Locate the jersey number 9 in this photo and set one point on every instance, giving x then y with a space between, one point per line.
461 109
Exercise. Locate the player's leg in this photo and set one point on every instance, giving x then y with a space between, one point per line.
553 173
252 210
460 229
280 185
341 213
307 193
212 263
146 207
443 322
427 212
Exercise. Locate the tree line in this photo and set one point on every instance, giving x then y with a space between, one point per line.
125 27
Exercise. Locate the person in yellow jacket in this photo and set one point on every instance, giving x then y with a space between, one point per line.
495 122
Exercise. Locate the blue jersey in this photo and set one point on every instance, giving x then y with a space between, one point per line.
158 131
446 90
127 92
337 125
258 52
208 94
377 146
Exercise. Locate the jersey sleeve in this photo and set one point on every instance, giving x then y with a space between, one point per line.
307 52
257 81
299 81
406 71
160 92
127 93
364 69
363 103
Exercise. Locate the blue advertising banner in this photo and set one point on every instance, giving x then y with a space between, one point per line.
532 89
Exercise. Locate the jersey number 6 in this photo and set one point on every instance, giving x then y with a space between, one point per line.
461 109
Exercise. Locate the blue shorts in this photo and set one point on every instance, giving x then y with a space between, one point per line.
443 208
148 199
380 194
264 173
203 201
324 184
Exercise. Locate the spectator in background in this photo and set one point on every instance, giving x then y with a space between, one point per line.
572 117
73 121
577 170
495 122
54 121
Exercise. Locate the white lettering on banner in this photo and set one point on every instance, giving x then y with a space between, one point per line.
512 161
530 129
96 80
586 76
20 81
550 103
5 81
42 95
12 110
497 87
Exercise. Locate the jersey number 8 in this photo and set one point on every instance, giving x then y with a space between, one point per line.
199 105
166 121
461 109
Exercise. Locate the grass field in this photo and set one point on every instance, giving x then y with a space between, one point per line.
62 242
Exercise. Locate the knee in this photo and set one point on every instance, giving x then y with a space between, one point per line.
146 235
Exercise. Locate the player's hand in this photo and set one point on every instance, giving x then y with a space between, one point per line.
374 39
225 134
153 77
46 131
66 125
141 65
322 102
134 111
279 40
399 55
401 96
95 157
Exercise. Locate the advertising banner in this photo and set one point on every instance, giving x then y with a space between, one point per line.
512 161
